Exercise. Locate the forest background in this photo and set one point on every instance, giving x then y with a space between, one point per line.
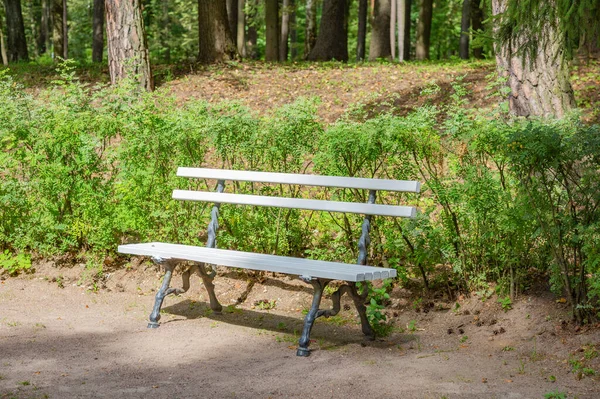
511 191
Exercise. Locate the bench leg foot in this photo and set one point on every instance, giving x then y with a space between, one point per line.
359 303
162 293
207 279
310 318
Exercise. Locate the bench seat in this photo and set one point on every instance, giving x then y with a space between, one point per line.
255 261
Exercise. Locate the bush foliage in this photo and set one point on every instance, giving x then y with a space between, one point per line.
85 169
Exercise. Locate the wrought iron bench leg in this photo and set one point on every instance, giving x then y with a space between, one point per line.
359 303
207 279
313 313
164 290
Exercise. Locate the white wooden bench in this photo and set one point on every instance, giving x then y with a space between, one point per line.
316 272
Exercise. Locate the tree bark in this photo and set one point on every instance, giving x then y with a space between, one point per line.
465 24
65 30
241 28
3 55
98 31
310 37
424 29
15 28
252 35
362 30
272 33
380 28
540 86
232 16
393 15
477 25
404 30
332 41
285 31
127 48
35 19
214 34
44 27
57 29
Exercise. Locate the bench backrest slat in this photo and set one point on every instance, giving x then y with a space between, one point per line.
305 180
297 203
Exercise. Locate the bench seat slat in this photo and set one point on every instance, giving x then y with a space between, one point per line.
297 203
255 261
305 180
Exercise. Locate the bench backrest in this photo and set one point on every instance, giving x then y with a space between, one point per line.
368 209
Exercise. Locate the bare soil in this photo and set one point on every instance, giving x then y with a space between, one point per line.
64 336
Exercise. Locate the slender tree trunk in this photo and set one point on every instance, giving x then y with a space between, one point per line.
540 86
65 30
465 24
214 34
293 32
272 34
310 37
17 44
98 31
407 25
241 28
285 31
45 26
3 54
477 25
424 29
36 26
232 16
57 29
362 30
252 35
332 41
393 15
380 30
127 48
403 30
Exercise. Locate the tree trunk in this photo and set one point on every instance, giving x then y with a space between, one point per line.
15 28
272 33
404 30
310 37
393 15
362 30
214 35
98 31
380 28
477 25
57 29
424 29
35 14
3 54
252 35
127 48
65 30
465 24
293 32
232 16
540 86
241 28
285 31
332 41
44 27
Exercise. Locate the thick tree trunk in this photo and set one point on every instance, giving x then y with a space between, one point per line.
15 28
241 28
465 24
404 30
215 43
540 86
57 29
127 48
272 33
285 31
424 29
477 25
232 16
380 30
252 35
332 41
3 55
98 31
362 30
45 27
310 37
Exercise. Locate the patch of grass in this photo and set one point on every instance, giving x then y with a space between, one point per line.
555 395
265 304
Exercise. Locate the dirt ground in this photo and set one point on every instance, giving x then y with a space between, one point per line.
61 337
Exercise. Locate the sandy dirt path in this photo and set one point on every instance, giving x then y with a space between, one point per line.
73 343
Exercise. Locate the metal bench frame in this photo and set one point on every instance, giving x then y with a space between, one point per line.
317 273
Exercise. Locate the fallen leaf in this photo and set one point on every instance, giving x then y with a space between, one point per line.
509 381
